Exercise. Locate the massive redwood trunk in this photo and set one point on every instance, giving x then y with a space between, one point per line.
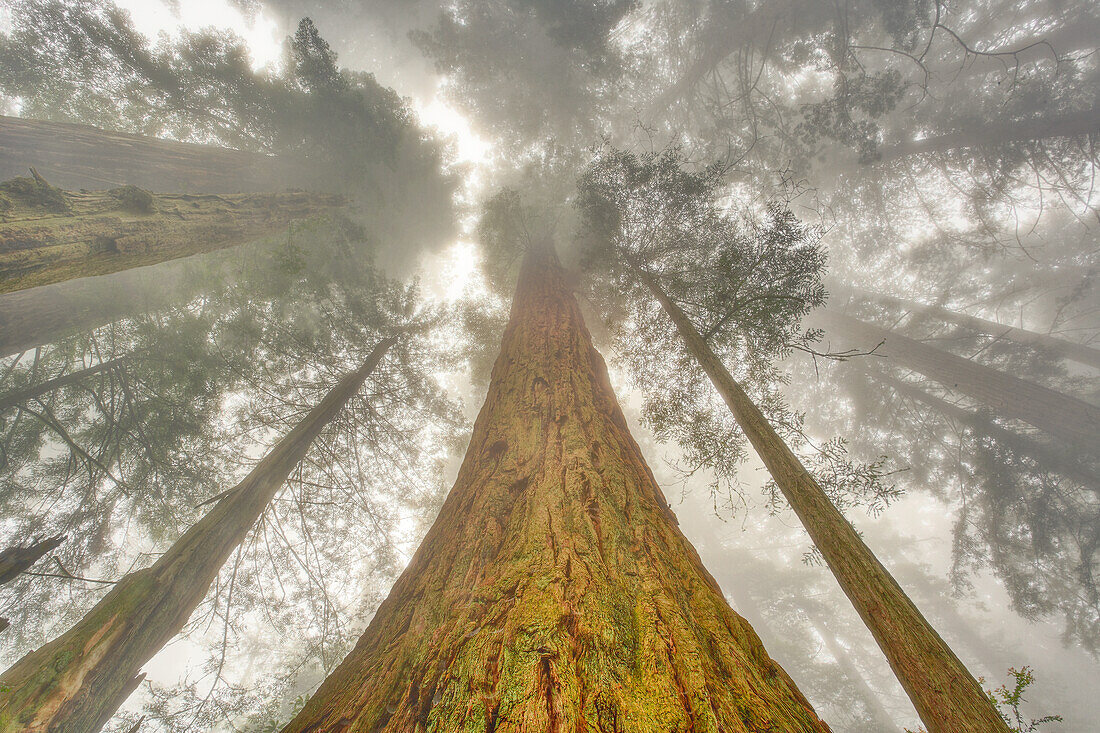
76 682
1069 419
554 592
1066 349
945 694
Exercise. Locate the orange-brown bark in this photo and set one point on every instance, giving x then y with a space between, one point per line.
554 591
945 694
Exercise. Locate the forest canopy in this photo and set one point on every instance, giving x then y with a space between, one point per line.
529 365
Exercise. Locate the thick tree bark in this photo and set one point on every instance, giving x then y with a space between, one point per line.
1047 456
945 694
18 397
554 592
76 682
1066 349
1069 419
91 233
14 560
1071 124
80 156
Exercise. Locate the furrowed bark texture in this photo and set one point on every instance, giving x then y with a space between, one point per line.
1067 418
81 156
15 560
100 232
554 592
947 697
75 683
1066 349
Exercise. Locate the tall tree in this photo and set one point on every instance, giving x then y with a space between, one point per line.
77 681
1066 418
654 223
1081 353
554 591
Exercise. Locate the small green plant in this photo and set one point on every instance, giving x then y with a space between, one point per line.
1008 703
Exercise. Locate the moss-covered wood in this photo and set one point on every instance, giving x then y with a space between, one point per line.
75 683
555 592
947 697
48 235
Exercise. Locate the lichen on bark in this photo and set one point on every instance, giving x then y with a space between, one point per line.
555 591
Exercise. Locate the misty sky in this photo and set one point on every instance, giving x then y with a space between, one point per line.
742 545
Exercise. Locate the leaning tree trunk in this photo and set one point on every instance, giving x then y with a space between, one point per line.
15 560
555 592
1069 419
46 314
945 694
81 156
1072 124
1050 457
48 235
1065 349
75 683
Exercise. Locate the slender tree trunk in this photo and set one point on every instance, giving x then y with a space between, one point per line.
945 694
19 396
1047 456
555 592
14 560
1069 419
75 683
1072 124
1066 349
91 233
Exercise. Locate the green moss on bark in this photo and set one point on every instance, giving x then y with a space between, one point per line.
555 591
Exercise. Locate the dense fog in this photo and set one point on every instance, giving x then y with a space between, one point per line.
230 225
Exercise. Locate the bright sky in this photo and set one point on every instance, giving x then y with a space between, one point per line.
263 35
447 276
